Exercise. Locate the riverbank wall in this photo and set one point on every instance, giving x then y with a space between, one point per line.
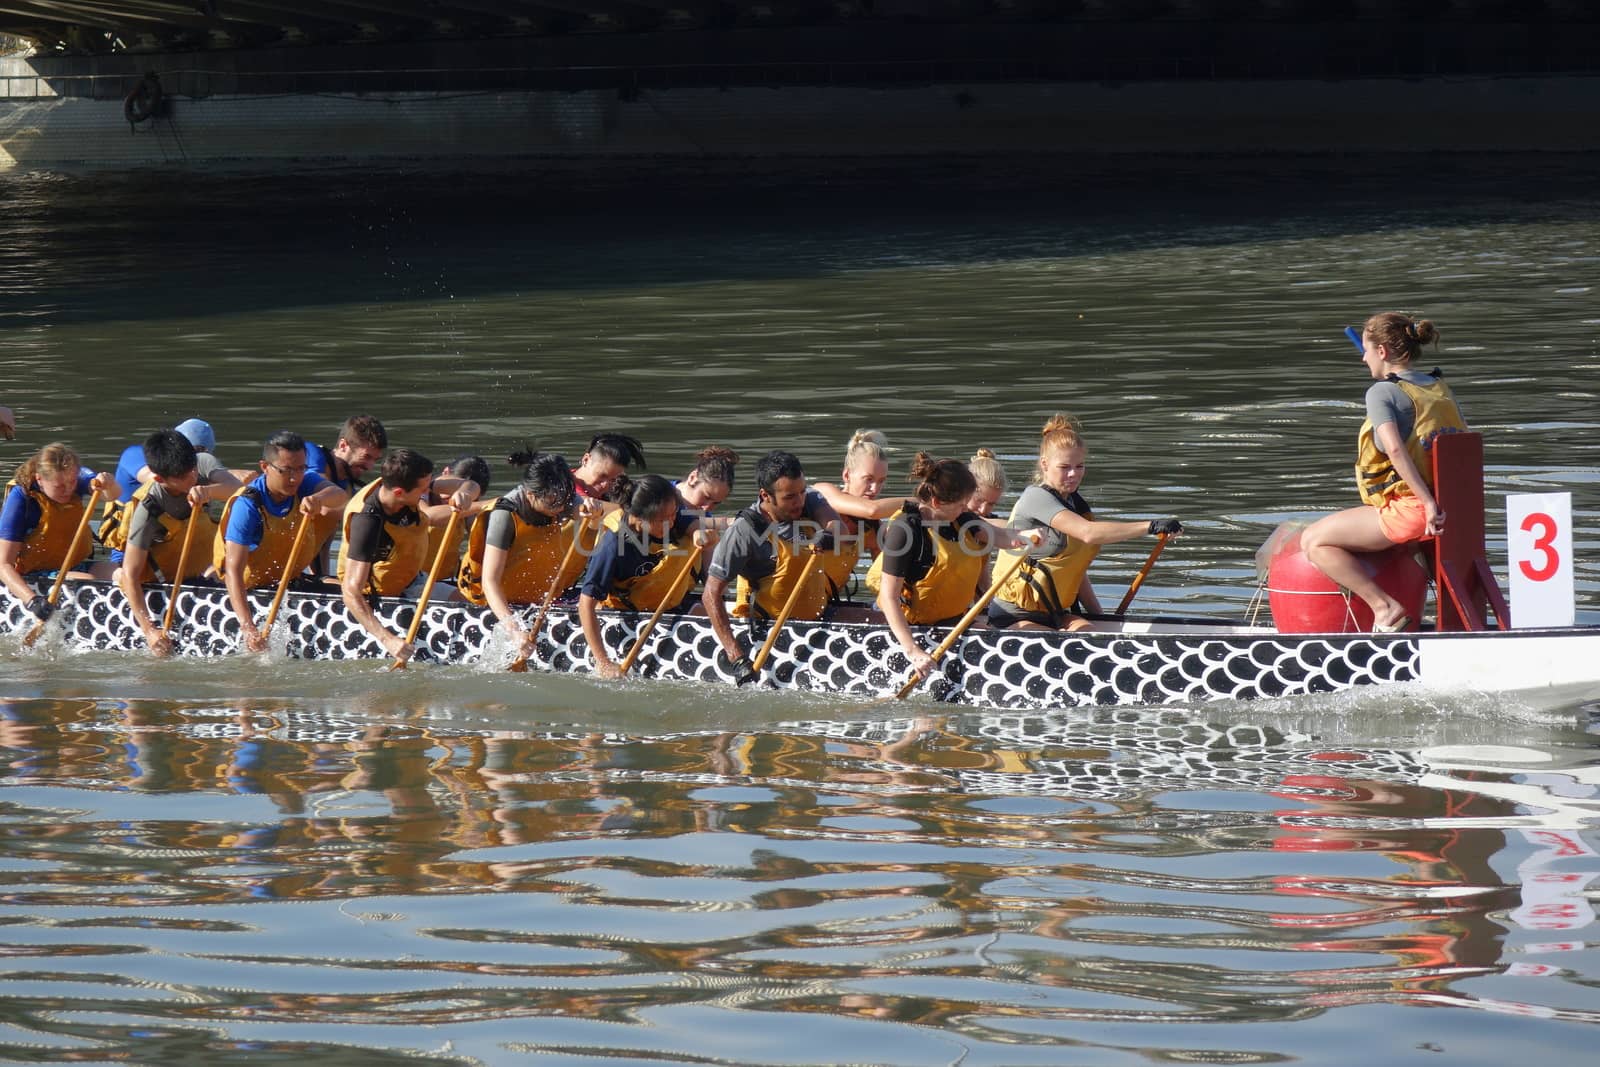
205 120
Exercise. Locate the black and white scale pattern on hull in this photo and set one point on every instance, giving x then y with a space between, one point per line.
988 668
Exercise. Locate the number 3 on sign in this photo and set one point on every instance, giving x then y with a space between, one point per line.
1539 547
1544 530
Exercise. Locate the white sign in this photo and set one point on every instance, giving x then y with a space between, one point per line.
1539 550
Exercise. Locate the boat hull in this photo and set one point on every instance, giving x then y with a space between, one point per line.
1144 663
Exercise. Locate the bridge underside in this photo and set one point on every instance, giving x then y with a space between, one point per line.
855 39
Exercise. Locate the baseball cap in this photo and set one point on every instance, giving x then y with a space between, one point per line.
198 431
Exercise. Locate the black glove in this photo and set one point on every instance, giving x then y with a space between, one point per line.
1171 527
743 673
41 607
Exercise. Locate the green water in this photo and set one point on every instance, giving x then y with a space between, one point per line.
254 859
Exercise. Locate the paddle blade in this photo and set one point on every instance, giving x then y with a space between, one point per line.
398 665
33 634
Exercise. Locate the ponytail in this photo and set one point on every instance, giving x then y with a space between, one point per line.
986 469
51 459
941 481
716 463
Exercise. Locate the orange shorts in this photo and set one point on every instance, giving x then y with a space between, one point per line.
1403 519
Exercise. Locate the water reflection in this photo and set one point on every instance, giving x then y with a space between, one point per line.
1000 881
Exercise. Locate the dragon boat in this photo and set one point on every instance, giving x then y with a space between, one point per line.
1125 661
1131 661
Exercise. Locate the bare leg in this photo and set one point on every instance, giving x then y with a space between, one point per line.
1329 543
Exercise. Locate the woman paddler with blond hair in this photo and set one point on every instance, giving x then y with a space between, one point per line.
1041 595
934 553
990 478
860 511
518 550
40 518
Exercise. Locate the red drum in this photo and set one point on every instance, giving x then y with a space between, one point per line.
1305 601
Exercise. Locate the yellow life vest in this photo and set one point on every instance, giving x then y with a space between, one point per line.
1047 586
768 596
168 548
45 546
839 562
665 583
532 560
1436 413
266 564
951 583
452 556
408 545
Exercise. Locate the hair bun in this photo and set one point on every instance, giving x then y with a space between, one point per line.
1061 421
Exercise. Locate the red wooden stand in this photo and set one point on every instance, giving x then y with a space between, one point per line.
1465 587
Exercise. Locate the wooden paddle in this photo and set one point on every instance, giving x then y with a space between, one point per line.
306 523
963 623
520 664
788 608
183 561
1138 579
638 644
61 575
451 534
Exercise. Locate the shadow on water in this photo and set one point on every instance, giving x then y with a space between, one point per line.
150 244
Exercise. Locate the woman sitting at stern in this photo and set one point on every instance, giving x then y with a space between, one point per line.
39 520
1407 409
934 553
638 564
1046 591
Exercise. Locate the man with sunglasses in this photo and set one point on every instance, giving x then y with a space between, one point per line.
260 521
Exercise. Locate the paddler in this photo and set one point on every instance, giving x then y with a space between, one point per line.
471 468
1407 410
260 521
356 450
1045 593
133 471
710 481
609 454
766 550
519 549
991 481
856 500
41 515
385 539
151 528
934 554
638 564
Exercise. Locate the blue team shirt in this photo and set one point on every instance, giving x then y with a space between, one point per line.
320 460
128 467
21 512
244 521
620 558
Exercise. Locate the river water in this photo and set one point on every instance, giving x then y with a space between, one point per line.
257 859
